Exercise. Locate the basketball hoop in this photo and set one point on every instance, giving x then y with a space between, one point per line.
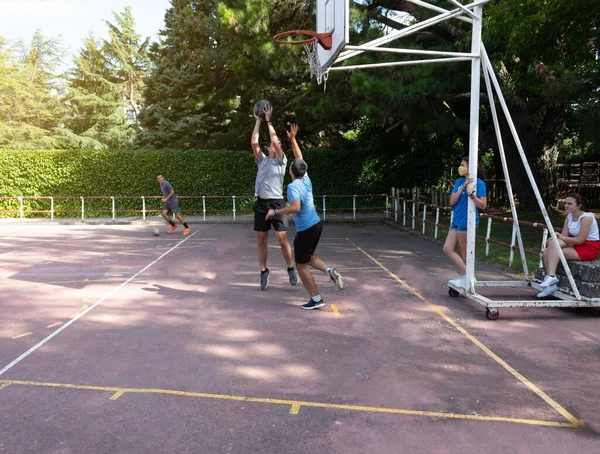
310 46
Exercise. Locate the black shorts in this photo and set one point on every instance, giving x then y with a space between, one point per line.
261 207
305 243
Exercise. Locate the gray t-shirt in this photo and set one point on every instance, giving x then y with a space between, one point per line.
269 179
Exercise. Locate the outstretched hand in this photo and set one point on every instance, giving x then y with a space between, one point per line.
268 110
270 214
293 130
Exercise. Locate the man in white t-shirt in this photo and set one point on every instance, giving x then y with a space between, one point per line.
268 190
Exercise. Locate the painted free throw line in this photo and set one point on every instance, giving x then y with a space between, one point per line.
97 303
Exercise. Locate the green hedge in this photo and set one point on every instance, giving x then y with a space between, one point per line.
192 172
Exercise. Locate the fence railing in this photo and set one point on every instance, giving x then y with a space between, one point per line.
116 207
416 214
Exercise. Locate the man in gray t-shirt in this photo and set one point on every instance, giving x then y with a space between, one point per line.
268 190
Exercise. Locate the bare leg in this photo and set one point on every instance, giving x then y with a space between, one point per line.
180 218
449 249
286 249
307 279
165 214
317 263
462 248
552 258
262 241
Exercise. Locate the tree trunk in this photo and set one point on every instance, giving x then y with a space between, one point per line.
541 144
132 102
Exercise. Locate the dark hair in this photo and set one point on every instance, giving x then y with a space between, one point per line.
298 168
480 168
579 200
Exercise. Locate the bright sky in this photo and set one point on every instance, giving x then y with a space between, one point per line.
73 20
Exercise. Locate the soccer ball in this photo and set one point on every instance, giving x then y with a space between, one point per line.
259 108
155 232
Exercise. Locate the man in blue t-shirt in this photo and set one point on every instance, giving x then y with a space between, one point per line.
308 226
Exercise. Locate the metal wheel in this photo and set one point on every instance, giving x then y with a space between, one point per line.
453 293
492 314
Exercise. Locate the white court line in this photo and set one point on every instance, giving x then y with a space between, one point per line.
97 303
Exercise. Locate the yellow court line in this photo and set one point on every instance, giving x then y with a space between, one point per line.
116 395
294 404
54 325
3 385
22 335
563 412
335 310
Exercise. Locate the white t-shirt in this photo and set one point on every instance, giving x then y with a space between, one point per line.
269 178
575 226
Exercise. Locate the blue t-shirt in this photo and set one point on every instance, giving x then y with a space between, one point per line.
301 189
166 189
462 206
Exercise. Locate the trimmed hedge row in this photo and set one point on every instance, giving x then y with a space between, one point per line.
192 172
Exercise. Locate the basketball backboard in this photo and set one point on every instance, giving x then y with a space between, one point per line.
332 17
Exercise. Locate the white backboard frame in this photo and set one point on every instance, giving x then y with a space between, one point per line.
333 16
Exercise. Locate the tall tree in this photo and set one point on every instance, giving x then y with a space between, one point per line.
127 55
95 99
547 54
215 59
31 110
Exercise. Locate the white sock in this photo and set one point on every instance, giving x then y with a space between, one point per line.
328 270
317 298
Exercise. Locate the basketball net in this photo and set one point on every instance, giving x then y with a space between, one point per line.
313 62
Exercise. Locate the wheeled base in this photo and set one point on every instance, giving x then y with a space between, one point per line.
565 298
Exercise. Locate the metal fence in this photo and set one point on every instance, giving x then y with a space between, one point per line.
352 206
418 215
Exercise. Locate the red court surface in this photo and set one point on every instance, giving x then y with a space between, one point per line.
113 340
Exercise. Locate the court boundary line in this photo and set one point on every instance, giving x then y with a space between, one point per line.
295 405
576 422
93 306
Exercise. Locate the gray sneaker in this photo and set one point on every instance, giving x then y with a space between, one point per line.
264 279
292 276
337 278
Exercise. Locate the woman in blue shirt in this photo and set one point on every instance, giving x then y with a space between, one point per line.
464 188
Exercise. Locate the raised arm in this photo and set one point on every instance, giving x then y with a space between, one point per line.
272 134
292 135
254 139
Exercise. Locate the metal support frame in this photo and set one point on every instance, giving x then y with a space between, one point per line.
473 13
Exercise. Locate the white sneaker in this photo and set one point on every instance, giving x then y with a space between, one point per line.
459 281
549 280
547 291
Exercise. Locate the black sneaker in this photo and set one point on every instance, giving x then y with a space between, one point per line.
292 276
312 304
337 278
264 279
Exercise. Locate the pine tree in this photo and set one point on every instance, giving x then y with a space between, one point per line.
31 110
214 60
95 98
127 56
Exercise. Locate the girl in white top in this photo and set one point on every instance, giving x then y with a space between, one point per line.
579 240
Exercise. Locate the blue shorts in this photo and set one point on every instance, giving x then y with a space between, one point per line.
453 226
458 229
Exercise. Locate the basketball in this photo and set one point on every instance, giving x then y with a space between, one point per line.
259 108
155 232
